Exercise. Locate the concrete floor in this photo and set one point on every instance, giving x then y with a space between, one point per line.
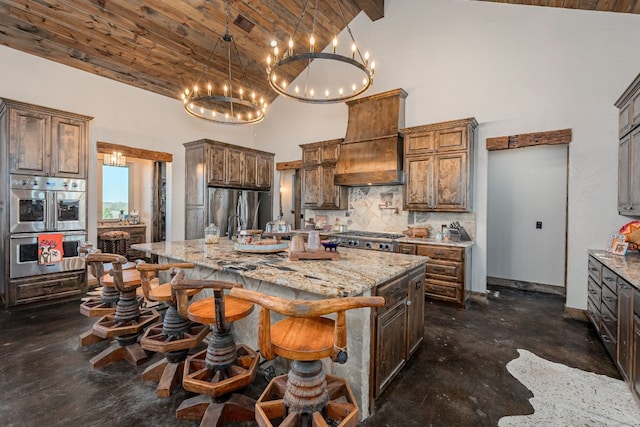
456 378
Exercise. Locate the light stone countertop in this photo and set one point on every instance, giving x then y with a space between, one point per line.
357 270
627 266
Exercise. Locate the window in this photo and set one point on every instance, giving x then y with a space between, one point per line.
115 192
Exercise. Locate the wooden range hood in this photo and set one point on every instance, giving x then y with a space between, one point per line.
371 153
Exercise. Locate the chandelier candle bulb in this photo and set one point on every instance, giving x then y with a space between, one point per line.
335 44
312 41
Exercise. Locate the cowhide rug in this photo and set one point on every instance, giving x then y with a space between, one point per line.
564 396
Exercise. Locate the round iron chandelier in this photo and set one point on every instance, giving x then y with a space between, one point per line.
224 103
346 78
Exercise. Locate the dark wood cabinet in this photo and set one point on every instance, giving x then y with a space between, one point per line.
447 274
44 141
399 326
613 306
44 289
211 163
438 161
629 150
318 170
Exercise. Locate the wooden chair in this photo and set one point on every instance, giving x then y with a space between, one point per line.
128 320
306 395
224 367
175 336
105 303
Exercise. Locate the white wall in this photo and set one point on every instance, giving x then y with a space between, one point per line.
525 186
516 68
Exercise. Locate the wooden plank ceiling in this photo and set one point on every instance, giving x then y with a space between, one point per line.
164 45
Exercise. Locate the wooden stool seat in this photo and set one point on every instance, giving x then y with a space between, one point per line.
300 338
130 278
203 311
163 292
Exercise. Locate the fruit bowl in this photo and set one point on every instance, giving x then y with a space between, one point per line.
330 244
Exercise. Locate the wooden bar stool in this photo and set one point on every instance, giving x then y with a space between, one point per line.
175 336
105 303
306 396
224 367
128 320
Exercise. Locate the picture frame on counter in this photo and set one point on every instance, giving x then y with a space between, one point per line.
618 244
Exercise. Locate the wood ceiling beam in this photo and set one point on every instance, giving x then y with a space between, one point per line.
553 137
373 8
138 153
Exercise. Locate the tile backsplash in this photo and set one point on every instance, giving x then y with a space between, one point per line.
374 209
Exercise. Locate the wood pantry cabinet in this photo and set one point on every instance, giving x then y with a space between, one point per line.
438 166
448 273
399 326
318 169
43 141
629 150
211 163
613 306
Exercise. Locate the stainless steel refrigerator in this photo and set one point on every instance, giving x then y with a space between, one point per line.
234 210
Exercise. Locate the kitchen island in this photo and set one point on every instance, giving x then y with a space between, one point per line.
374 336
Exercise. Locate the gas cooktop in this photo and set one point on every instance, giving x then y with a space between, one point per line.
372 240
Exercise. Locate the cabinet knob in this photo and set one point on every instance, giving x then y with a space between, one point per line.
408 302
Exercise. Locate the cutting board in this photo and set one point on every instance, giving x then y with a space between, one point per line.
321 254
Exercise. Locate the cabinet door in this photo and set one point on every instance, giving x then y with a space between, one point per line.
634 172
29 142
311 187
391 330
419 182
311 156
625 119
265 172
635 381
250 169
454 139
625 328
216 172
418 143
68 148
623 175
451 182
635 109
415 313
330 192
234 166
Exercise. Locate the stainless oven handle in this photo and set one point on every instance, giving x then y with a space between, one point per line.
51 211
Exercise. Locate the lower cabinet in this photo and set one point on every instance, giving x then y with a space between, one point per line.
613 306
448 273
46 288
399 326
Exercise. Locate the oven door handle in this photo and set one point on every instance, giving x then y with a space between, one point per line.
51 213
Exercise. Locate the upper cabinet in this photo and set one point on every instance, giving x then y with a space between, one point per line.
438 165
318 171
44 141
629 150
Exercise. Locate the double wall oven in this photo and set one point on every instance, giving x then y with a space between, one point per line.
41 205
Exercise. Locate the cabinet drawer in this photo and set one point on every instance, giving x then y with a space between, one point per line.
442 290
595 269
392 293
609 321
44 289
610 299
609 278
594 290
444 271
441 252
406 248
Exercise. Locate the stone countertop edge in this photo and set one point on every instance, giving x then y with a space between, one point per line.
627 266
354 273
432 241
